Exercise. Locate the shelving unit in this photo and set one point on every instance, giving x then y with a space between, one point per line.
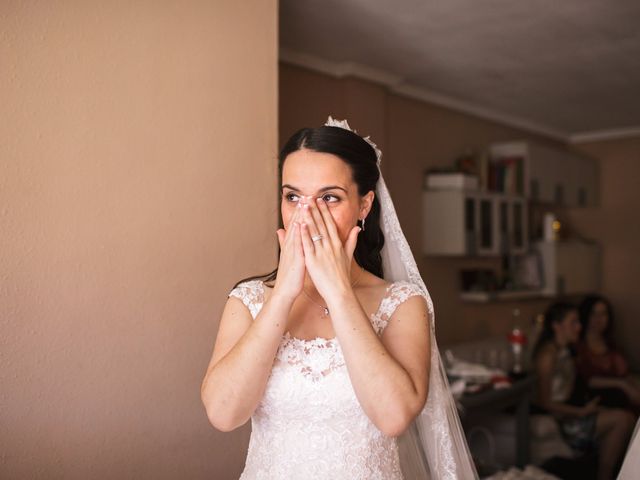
552 175
484 297
459 222
571 268
470 222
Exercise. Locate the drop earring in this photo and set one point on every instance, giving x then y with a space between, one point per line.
362 224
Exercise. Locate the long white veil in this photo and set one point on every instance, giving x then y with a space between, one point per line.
434 447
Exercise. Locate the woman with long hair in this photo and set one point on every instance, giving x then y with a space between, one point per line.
585 425
332 355
600 363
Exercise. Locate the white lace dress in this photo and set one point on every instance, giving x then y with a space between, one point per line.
309 424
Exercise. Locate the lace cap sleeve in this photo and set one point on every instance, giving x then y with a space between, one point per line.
397 293
251 294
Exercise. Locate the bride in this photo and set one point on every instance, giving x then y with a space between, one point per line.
333 355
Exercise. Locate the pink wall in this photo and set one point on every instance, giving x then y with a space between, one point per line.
137 153
414 136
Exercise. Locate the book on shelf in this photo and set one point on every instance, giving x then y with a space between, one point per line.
506 175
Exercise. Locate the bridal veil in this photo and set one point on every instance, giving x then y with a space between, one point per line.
434 446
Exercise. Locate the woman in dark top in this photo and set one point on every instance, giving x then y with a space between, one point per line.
602 367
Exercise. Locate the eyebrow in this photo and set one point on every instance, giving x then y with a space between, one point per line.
323 189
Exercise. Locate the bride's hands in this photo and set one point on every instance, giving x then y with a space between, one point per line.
290 279
328 261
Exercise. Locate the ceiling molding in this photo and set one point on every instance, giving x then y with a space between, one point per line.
338 69
600 135
465 107
397 85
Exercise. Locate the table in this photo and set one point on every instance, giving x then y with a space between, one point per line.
518 395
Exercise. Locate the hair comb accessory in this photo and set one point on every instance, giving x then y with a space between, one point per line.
331 122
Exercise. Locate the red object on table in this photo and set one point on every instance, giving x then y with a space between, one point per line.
517 336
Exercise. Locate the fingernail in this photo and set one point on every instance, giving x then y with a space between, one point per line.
306 205
319 199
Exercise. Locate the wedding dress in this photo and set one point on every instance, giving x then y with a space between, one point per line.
309 423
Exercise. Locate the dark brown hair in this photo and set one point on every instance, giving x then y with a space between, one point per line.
586 310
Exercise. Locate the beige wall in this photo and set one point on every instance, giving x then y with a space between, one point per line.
137 184
414 136
614 224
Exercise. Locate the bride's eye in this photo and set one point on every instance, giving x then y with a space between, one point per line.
328 196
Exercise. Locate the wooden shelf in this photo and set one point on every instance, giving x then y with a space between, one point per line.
485 297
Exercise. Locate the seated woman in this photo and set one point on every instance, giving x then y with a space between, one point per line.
602 367
586 426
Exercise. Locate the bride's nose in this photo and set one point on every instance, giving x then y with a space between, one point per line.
306 199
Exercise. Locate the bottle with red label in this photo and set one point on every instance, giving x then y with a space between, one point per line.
517 340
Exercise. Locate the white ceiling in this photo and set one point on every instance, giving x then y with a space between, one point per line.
569 68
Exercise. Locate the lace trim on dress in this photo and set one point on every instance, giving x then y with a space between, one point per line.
250 294
314 359
396 294
318 357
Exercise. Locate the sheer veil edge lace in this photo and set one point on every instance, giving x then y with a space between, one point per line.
435 445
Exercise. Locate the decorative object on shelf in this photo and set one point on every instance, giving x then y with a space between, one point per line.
467 162
551 227
463 175
451 181
528 271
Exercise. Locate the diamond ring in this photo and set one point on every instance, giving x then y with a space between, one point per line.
315 238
